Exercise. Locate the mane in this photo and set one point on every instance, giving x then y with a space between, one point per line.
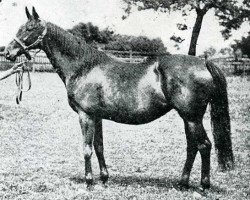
75 47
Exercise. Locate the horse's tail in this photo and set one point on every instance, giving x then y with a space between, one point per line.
220 119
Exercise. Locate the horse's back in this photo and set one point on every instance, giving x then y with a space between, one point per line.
184 62
185 68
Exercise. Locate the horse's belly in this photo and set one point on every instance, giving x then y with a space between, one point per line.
138 105
141 117
131 106
134 113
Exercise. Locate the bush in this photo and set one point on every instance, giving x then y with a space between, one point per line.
140 44
92 35
5 66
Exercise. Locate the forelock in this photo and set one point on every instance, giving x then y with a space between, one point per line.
26 26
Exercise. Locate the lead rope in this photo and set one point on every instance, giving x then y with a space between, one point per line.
19 82
19 78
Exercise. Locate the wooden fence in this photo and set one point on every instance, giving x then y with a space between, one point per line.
41 63
230 65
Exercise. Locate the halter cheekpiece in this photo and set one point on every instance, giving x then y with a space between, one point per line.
39 40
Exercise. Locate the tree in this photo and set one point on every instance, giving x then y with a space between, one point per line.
91 33
211 51
229 13
243 44
120 43
2 48
230 22
140 44
227 51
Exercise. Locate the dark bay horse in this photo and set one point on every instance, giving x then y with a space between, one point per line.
100 87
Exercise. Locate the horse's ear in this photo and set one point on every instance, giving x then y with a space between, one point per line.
34 13
27 13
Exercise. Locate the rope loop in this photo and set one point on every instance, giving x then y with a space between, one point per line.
20 78
20 82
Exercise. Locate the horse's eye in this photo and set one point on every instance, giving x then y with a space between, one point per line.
29 28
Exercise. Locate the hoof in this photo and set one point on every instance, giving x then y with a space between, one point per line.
90 187
89 180
183 185
205 184
104 176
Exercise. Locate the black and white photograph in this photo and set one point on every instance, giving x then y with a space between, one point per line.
124 99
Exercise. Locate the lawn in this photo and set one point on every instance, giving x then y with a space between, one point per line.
41 150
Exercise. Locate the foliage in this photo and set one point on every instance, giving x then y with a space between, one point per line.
244 45
230 14
140 44
211 51
92 33
2 48
177 39
111 41
231 17
226 51
5 66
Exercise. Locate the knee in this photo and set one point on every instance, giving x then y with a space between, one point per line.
205 147
87 152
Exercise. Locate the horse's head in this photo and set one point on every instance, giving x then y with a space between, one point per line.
29 36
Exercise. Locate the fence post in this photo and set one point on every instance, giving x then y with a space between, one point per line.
130 56
33 67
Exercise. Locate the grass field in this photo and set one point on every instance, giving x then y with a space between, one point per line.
41 150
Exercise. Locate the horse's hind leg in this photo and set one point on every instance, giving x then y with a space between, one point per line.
98 145
88 129
191 154
197 140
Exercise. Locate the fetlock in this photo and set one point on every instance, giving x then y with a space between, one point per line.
89 180
104 175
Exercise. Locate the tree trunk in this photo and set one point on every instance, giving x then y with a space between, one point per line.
196 32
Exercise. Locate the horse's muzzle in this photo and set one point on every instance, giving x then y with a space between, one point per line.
8 56
12 58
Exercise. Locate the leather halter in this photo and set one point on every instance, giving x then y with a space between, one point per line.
39 40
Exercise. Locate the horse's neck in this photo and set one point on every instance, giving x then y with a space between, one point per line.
68 54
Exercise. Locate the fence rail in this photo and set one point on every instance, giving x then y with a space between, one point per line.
230 65
42 63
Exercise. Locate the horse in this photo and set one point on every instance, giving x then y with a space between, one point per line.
101 87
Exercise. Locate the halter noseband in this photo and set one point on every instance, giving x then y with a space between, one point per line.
39 40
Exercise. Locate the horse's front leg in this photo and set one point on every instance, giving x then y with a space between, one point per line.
88 130
98 145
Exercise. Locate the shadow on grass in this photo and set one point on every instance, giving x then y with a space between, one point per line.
152 182
77 180
144 181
